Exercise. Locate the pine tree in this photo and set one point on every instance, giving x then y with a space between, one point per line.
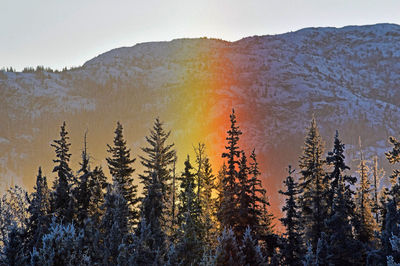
115 223
158 159
189 245
390 229
322 251
39 209
121 170
227 213
393 157
151 217
13 250
61 246
365 221
263 227
208 210
97 183
187 196
62 202
377 175
292 250
251 252
227 252
313 197
81 191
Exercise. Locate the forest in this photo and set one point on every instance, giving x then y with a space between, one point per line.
206 214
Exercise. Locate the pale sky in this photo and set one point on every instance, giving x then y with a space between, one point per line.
59 33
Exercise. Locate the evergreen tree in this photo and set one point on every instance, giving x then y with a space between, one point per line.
189 246
377 175
115 224
97 183
227 252
81 191
39 209
61 246
121 170
263 225
13 250
227 213
365 221
158 159
151 217
314 185
322 251
393 157
292 250
187 196
390 229
208 210
247 206
62 202
251 252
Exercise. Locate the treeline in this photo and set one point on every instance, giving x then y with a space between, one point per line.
201 216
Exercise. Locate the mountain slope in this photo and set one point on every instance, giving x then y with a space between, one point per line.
348 78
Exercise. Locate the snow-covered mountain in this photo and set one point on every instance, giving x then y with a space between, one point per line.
348 78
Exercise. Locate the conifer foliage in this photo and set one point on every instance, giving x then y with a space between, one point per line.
188 215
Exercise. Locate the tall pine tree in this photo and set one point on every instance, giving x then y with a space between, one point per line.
314 185
120 165
62 202
293 247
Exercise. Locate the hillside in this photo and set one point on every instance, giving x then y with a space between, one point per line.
348 78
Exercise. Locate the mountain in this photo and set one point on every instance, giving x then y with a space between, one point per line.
347 77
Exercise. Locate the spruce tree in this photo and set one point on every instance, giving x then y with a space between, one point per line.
189 204
292 249
247 206
227 252
208 210
263 226
115 224
152 218
121 170
377 175
365 221
250 251
227 213
314 185
62 202
81 191
39 210
393 157
158 159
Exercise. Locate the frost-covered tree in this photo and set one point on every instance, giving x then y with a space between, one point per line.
227 213
120 165
292 251
208 211
158 159
227 252
12 252
115 224
62 202
13 211
61 246
263 226
365 222
314 186
393 157
151 217
39 213
250 251
377 176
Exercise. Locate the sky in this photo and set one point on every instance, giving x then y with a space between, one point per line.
66 33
